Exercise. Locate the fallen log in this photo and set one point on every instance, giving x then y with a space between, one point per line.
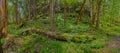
61 37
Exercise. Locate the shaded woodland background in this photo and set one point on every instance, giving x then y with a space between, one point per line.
60 26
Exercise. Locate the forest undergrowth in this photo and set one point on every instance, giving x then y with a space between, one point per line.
38 43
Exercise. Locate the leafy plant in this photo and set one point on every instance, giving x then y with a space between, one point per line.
97 44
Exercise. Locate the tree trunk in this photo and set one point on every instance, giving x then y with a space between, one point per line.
91 12
98 14
65 15
80 13
52 14
4 18
94 12
3 28
26 9
16 12
29 9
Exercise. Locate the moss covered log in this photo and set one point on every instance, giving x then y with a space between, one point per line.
58 36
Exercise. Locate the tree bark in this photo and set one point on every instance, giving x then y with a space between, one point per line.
65 12
4 19
91 11
80 13
16 12
98 14
52 15
3 28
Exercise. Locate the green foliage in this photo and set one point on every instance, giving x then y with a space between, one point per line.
50 45
69 26
69 3
12 30
2 40
97 44
89 37
115 50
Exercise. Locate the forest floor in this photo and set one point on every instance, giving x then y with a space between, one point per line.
114 43
107 39
112 46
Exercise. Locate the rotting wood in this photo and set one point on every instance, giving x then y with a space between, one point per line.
58 36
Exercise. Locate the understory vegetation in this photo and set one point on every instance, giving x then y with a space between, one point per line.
91 40
59 26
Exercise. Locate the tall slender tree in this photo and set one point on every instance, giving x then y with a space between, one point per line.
98 13
52 15
65 12
91 12
94 12
3 28
16 12
4 18
80 13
